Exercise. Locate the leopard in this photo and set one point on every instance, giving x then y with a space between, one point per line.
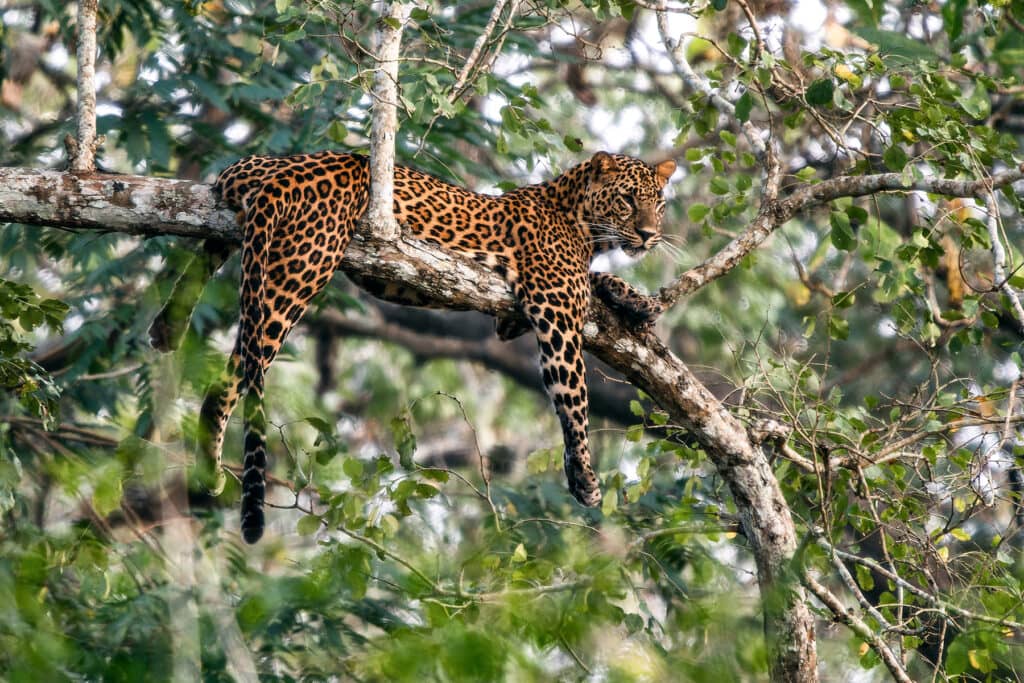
298 213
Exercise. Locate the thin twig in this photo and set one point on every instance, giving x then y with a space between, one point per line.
943 606
841 614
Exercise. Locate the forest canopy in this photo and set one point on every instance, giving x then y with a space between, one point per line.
811 463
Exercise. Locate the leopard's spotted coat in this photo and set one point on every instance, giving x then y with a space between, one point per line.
298 214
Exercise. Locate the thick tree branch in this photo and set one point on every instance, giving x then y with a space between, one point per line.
808 196
774 214
150 206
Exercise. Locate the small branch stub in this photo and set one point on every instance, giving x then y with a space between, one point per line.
82 156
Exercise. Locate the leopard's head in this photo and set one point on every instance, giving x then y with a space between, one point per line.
624 204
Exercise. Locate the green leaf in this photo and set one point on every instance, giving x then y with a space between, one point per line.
543 459
697 212
106 497
844 299
978 103
842 234
898 48
634 433
519 554
435 475
610 503
572 143
307 525
838 328
353 468
320 425
806 174
864 578
869 12
719 185
30 319
419 14
405 440
337 132
953 17
743 106
858 215
820 92
735 44
895 158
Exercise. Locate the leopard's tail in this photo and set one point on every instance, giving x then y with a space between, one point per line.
261 216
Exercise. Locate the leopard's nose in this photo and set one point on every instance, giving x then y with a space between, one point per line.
649 237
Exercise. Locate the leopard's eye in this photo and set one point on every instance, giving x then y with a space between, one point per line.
627 202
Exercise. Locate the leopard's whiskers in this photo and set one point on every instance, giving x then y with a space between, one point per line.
677 255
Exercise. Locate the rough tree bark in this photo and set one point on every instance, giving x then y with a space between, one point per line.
83 152
380 214
149 206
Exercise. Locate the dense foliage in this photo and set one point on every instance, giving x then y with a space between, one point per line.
423 529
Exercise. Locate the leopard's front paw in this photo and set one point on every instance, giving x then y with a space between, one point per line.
641 312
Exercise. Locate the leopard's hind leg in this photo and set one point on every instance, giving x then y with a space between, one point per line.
305 251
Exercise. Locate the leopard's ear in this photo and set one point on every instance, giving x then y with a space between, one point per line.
603 163
664 170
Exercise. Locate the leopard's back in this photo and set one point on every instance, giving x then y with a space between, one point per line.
237 183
